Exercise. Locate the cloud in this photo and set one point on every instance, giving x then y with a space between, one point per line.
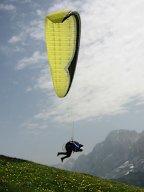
29 32
69 5
33 126
40 13
14 39
35 30
36 59
44 82
7 7
110 70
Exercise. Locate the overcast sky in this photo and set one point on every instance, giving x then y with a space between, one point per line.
108 88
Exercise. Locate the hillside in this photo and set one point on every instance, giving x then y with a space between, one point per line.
24 176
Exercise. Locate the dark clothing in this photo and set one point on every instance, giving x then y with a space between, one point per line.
71 146
76 146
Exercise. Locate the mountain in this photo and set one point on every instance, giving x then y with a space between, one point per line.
136 178
18 175
119 155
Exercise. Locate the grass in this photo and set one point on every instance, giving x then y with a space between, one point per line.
23 176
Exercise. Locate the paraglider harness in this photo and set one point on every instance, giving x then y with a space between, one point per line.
75 146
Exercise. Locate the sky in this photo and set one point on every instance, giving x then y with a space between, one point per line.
107 91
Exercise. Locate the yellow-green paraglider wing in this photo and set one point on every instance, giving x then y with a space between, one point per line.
62 40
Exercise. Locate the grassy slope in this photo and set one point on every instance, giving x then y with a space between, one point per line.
24 176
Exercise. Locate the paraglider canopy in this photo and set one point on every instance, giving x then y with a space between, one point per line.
62 41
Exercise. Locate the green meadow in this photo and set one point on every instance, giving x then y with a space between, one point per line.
24 176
